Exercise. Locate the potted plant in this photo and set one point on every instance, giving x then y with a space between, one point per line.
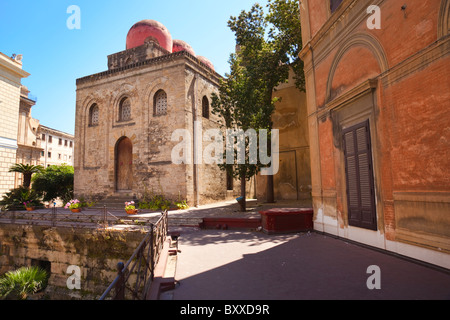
29 205
130 208
74 205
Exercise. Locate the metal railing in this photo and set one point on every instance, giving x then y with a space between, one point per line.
60 217
135 277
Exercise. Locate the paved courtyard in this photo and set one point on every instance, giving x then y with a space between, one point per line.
245 265
251 265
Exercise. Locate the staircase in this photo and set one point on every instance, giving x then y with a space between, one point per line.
114 202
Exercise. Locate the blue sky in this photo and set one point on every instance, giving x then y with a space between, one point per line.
56 56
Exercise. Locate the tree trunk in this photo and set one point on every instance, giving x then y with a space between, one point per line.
26 180
270 192
242 202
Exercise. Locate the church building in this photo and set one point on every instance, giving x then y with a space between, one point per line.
125 118
377 84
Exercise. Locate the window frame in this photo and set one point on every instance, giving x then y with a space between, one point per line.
121 110
205 107
94 108
155 101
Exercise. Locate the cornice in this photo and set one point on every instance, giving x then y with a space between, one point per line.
149 62
339 26
12 67
352 94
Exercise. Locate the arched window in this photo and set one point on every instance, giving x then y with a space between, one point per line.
125 110
94 113
205 107
160 103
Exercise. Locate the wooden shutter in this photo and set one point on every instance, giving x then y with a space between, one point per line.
359 176
334 4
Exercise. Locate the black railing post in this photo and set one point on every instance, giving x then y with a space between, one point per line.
120 285
152 251
105 220
54 214
155 240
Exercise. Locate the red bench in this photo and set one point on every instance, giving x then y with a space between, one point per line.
287 220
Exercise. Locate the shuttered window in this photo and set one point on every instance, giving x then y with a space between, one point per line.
334 4
359 177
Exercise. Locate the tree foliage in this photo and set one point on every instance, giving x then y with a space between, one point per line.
19 284
27 170
267 48
55 182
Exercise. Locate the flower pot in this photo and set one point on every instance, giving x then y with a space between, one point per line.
132 211
30 208
78 210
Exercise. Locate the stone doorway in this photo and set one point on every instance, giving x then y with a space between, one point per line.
124 164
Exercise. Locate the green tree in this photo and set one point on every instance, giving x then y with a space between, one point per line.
55 182
267 49
27 170
238 104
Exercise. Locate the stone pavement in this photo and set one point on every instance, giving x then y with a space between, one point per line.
230 209
243 265
251 265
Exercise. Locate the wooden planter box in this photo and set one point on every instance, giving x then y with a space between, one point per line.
287 220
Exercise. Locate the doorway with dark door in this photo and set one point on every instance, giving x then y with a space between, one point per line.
124 164
359 176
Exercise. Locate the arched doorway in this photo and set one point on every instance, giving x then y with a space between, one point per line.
124 164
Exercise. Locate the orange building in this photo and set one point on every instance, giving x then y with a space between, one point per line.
378 100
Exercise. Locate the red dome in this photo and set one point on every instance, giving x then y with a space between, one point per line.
206 61
180 45
149 29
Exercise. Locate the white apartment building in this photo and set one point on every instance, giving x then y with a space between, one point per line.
57 147
11 75
28 140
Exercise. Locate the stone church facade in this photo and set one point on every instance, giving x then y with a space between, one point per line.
126 115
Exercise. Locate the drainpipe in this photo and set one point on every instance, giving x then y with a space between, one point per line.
46 150
195 138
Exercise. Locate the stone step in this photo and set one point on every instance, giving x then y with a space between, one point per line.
115 202
230 223
182 221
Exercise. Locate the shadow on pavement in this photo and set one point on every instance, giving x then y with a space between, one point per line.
237 265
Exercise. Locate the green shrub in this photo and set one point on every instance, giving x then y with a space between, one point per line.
182 205
18 284
155 202
14 200
55 182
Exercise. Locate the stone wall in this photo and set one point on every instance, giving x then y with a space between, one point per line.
293 180
186 82
96 252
